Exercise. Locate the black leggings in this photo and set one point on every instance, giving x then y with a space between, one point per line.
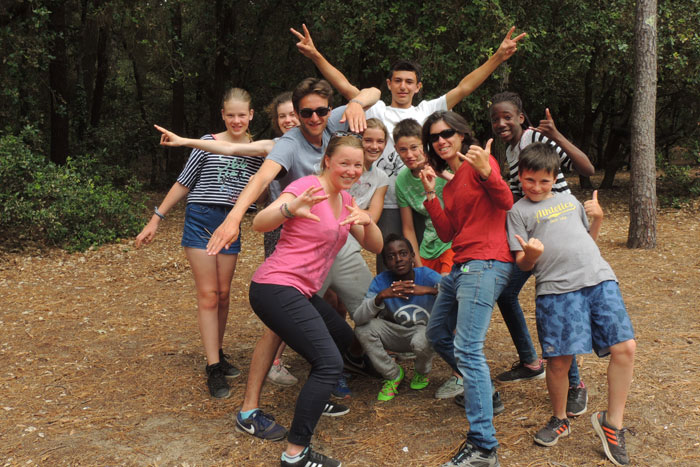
315 331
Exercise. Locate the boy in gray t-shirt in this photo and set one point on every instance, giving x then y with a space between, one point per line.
579 307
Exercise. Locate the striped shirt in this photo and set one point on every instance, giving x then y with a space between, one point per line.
217 179
513 156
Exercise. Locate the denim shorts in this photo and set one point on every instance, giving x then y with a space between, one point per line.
592 318
201 220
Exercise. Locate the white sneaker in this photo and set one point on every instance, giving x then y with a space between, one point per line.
279 375
450 388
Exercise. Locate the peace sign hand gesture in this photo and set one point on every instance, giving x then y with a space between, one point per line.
509 46
306 44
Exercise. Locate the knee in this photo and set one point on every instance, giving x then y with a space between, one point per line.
624 350
420 344
559 365
208 300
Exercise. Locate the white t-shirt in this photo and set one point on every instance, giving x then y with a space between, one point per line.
389 161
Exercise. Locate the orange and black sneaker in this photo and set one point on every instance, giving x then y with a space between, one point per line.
552 431
612 438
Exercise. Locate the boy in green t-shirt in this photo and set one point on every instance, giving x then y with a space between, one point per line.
410 194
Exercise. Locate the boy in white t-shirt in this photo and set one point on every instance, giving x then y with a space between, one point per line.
404 82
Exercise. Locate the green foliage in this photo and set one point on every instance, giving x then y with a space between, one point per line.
84 203
678 184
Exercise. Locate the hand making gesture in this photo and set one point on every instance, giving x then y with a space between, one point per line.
478 158
509 46
357 216
532 250
302 204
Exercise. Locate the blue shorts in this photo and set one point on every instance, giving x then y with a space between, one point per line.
201 220
592 318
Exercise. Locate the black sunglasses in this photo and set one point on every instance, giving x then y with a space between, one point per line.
434 137
320 111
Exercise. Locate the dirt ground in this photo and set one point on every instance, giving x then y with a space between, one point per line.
102 364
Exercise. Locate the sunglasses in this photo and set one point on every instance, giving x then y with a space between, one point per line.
340 134
444 134
320 111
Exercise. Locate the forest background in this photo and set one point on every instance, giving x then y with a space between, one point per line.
82 82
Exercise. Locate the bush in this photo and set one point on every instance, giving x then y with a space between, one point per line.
84 203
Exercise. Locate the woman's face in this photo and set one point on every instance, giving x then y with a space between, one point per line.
237 115
445 141
286 118
344 167
373 143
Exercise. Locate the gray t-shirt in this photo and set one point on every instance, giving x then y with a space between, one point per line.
571 259
298 157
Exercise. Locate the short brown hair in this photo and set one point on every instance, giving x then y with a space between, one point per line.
539 156
311 86
272 107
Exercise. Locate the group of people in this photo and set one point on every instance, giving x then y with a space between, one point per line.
452 238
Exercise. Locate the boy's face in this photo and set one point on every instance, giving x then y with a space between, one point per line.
398 258
403 85
537 186
313 126
410 149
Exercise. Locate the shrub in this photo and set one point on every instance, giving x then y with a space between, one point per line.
84 203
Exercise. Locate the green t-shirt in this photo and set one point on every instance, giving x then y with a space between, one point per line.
410 193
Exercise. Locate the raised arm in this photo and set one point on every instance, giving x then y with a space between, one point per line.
257 148
332 74
579 159
229 229
474 79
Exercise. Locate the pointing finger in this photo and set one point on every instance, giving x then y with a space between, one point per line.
548 115
520 240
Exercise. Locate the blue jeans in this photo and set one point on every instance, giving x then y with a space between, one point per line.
473 287
513 316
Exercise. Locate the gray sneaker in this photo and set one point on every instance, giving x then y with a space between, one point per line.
552 431
279 375
472 456
450 388
577 401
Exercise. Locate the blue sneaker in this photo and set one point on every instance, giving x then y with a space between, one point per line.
341 390
261 425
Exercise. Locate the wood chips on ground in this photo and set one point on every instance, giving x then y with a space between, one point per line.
102 364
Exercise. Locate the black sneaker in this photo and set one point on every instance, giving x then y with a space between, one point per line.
552 431
498 407
261 425
360 365
311 458
230 371
613 439
470 455
577 401
216 381
519 372
334 410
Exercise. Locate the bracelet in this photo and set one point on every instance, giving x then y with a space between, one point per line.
284 209
356 102
428 193
158 213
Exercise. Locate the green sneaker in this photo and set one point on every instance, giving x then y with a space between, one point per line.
389 390
419 381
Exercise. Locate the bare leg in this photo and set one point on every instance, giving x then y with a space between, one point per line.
206 271
620 371
558 383
226 267
263 356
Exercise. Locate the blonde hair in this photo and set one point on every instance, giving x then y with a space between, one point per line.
238 94
336 143
377 124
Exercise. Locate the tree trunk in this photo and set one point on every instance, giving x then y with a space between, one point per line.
642 229
103 43
58 84
176 156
